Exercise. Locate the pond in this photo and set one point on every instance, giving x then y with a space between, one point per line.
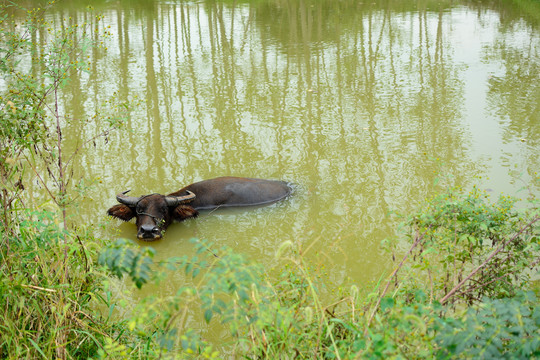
361 105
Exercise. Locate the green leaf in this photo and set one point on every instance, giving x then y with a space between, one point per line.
208 315
387 303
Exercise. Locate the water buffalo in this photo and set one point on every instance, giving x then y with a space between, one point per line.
155 212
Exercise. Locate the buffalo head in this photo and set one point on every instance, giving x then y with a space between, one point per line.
153 212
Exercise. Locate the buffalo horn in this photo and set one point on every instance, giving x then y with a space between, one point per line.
177 200
127 200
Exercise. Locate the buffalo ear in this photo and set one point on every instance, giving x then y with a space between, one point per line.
183 212
122 212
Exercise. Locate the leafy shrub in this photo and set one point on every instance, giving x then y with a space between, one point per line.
464 250
467 247
404 328
264 320
506 328
31 117
122 257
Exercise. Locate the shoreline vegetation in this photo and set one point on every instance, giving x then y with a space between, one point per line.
461 285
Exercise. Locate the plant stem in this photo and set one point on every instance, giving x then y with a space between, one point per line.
418 240
489 258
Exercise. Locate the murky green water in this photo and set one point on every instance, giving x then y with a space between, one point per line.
358 104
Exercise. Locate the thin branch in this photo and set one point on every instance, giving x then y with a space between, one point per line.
94 138
41 179
489 258
495 279
38 288
418 240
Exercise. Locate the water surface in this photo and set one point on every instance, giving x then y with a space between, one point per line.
360 105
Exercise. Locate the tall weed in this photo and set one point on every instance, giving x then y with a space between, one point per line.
47 275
